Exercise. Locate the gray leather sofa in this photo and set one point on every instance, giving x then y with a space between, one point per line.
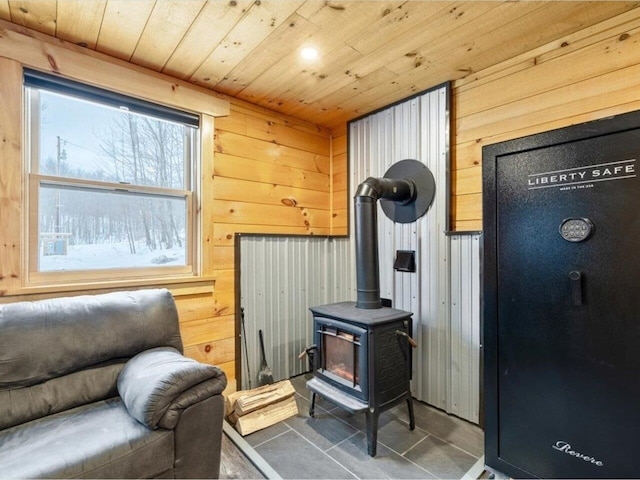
97 387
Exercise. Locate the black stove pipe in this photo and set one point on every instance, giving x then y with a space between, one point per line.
366 224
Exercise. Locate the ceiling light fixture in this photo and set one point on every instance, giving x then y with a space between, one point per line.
309 53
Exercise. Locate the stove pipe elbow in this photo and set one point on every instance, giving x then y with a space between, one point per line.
366 231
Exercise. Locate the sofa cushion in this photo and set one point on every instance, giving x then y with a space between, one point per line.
49 338
99 440
89 385
157 384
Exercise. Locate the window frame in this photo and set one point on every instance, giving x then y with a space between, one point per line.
35 180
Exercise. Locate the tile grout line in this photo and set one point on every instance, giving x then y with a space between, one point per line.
357 432
449 444
325 453
476 470
452 444
415 444
429 434
441 439
272 438
408 459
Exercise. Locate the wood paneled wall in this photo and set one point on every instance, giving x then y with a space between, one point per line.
271 175
591 74
340 197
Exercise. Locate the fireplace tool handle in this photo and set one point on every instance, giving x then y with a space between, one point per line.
410 340
246 350
309 352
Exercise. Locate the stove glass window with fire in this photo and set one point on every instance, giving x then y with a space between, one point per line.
340 354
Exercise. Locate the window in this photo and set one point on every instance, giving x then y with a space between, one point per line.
111 184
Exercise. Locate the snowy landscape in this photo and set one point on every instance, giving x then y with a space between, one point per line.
114 255
118 198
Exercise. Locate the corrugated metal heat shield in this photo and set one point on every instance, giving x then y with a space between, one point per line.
280 278
418 128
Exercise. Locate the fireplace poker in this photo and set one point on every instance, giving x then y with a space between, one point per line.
246 350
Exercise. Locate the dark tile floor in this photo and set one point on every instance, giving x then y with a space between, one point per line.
333 444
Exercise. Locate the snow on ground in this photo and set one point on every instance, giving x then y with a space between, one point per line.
111 255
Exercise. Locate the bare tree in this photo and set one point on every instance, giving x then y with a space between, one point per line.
145 151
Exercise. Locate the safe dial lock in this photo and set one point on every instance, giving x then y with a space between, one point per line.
576 229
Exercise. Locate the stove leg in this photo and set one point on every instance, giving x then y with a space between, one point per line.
372 432
312 406
412 418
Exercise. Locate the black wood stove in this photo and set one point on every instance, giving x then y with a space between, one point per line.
362 356
363 361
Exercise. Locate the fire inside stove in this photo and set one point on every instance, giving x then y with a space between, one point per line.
340 354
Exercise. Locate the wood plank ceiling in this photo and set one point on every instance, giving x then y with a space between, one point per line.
371 53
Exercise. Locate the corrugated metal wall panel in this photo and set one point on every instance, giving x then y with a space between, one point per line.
465 326
280 278
416 129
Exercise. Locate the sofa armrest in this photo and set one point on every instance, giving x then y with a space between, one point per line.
158 384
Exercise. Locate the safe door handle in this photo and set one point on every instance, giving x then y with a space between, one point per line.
575 278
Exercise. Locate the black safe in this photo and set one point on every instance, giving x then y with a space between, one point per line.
561 302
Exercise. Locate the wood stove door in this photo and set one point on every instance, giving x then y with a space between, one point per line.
342 356
568 308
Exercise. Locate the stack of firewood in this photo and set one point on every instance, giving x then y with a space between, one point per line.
252 410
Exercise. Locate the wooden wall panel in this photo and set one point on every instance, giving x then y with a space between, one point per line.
205 330
10 175
339 183
271 175
244 144
224 255
225 232
270 171
242 168
5 13
206 192
590 74
195 307
214 353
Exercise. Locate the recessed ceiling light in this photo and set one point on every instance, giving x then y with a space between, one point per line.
309 53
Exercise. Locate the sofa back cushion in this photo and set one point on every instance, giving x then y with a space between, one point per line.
58 394
50 338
